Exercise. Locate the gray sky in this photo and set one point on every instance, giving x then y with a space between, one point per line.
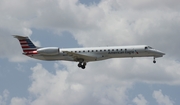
83 23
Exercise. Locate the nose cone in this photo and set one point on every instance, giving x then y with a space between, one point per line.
163 53
160 53
157 53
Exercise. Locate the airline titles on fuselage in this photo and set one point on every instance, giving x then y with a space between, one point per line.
112 51
123 52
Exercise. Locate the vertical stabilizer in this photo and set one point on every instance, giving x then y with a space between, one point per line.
26 44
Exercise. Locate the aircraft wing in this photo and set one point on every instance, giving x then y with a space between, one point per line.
79 57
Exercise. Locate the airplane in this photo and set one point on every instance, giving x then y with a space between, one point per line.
85 55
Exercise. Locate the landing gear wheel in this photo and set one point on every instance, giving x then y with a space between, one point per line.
83 66
154 61
79 64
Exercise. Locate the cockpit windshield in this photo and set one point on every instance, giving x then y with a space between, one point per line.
148 47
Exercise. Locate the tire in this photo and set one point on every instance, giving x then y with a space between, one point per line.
79 65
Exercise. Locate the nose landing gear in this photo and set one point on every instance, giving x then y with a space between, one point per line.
154 61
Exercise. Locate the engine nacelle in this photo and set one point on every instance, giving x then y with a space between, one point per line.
48 51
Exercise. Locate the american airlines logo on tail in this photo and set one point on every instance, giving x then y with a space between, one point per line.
27 46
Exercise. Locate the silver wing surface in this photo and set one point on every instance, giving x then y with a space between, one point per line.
82 57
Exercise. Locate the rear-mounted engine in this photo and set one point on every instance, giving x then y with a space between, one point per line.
48 51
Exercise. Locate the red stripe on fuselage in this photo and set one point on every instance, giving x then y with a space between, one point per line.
25 46
29 50
23 41
31 53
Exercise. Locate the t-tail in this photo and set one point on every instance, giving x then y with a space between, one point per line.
27 46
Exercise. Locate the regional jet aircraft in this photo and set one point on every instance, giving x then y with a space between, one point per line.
84 55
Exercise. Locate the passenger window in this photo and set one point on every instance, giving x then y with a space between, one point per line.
112 49
104 50
116 49
79 51
92 50
108 50
100 50
83 51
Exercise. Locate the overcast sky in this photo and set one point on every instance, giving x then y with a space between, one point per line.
89 23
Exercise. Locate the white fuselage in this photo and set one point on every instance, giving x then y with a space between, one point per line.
84 55
101 53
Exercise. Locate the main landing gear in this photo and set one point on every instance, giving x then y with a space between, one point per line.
82 65
154 61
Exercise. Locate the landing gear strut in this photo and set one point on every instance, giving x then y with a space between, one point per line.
154 61
82 65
